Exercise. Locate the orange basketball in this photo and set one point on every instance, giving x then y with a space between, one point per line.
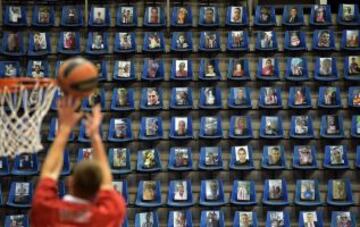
78 77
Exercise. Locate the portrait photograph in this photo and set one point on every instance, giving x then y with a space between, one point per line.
245 219
151 126
209 15
237 39
44 15
154 40
122 97
118 186
181 126
153 15
119 157
339 191
238 68
266 40
212 190
275 189
153 97
330 96
348 12
293 16
17 220
270 96
211 156
320 14
301 125
332 125
211 41
212 218
69 40
310 218
26 161
357 126
127 14
22 190
243 191
72 15
354 65
181 157
274 155
37 69
267 66
149 158
125 40
343 219
307 188
40 41
294 39
271 125
98 41
182 14
210 126
305 155
99 15
210 98
10 70
146 219
181 41
94 98
336 155
87 153
124 68
236 14
180 219
120 127
297 67
149 190
181 96
241 155
324 39
210 68
240 127
240 96
15 14
153 67
277 219
352 38
180 193
299 96
181 68
264 15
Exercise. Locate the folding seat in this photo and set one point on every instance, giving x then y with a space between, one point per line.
239 98
20 195
237 41
125 43
124 70
126 16
209 69
17 220
148 195
180 194
181 16
265 16
154 42
181 69
177 217
4 167
273 157
329 97
301 127
122 99
210 98
241 158
72 16
307 193
66 166
97 43
320 15
153 69
43 16
154 16
350 40
180 159
57 95
181 42
120 130
210 127
275 193
147 218
211 158
13 44
15 15
355 126
348 15
119 160
266 41
210 41
121 187
209 16
39 44
53 131
151 98
99 16
332 127
296 69
270 98
295 41
181 98
9 68
304 157
336 157
26 165
151 128
323 40
181 128
69 43
236 16
212 217
268 69
271 127
343 218
212 193
38 68
339 193
243 193
238 69
310 218
352 68
293 16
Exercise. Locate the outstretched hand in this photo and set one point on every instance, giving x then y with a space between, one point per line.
93 121
68 112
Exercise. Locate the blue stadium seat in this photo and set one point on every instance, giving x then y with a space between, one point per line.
343 218
181 69
329 97
241 158
209 16
295 41
295 20
268 69
305 217
265 16
238 69
323 40
307 193
42 46
210 41
125 222
66 167
348 15
210 98
181 128
122 99
102 69
270 98
119 160
237 41
154 16
85 153
336 157
180 159
320 15
20 195
154 42
332 127
266 41
273 157
240 19
4 167
151 128
357 160
43 16
26 165
211 158
355 126
239 98
181 16
212 218
56 97
38 68
175 220
120 130
296 69
53 129
13 44
209 69
344 197
212 193
97 43
271 127
180 194
151 98
277 218
98 97
15 15
69 43
9 68
57 66
301 127
354 97
181 42
304 157
352 68
17 220
72 16
275 193
143 199
122 188
125 43
210 127
83 138
153 70
126 16
243 193
61 188
124 70
147 218
181 98
240 127
350 40
299 98
99 16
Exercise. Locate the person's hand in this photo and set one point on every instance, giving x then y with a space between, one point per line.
93 121
67 113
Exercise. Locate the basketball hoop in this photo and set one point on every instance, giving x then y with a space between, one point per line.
24 102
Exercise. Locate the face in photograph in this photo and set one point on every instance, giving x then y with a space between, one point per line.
22 188
238 39
99 15
305 156
297 67
181 157
119 157
154 40
146 219
118 186
310 218
320 13
127 14
181 96
98 41
266 40
72 17
294 39
181 68
40 41
274 155
339 192
238 69
239 96
330 96
37 69
10 70
241 155
211 156
87 153
243 191
212 190
348 12
151 125
179 219
245 219
17 220
324 39
356 97
332 124
336 155
149 158
264 15
181 126
276 219
125 40
13 42
122 95
301 125
180 190
15 14
343 219
307 188
181 41
240 127
271 124
352 38
293 15
69 40
210 69
299 96
325 66
154 15
181 15
44 15
275 189
210 126
26 161
153 66
236 14
267 67
209 15
210 98
120 127
353 66
270 96
124 68
210 40
153 98
212 218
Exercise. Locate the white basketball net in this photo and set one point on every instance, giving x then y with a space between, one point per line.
21 115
